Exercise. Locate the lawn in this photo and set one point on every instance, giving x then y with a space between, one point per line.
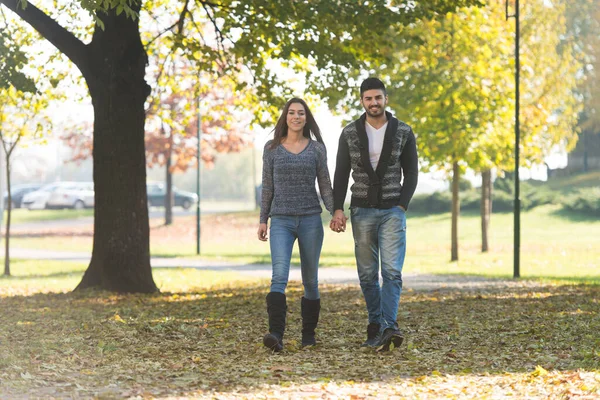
201 338
553 243
23 215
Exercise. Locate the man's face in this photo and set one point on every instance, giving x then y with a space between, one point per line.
374 102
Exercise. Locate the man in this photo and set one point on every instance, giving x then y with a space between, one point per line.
379 150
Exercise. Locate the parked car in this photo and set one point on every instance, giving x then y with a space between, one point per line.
158 191
19 191
61 195
77 196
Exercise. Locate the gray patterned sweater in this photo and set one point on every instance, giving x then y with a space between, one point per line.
384 186
288 181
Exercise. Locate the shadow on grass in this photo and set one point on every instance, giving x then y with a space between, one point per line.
44 234
212 338
65 274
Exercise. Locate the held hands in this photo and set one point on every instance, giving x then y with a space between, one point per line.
262 232
338 222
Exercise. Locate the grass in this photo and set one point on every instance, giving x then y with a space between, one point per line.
201 338
34 276
23 215
554 243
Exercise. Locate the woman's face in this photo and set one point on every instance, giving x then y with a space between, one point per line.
296 117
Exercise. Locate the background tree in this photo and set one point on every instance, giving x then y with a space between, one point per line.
24 98
324 35
583 22
453 81
21 116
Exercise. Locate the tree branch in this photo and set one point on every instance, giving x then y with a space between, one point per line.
51 30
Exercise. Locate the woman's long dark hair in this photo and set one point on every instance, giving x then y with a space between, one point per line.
281 129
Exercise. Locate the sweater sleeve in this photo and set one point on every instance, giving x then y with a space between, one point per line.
267 184
409 160
342 174
324 180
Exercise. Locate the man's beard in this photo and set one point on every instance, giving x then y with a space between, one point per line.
374 112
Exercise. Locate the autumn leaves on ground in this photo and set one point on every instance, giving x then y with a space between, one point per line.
529 340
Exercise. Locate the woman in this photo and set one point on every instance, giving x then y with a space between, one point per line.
291 163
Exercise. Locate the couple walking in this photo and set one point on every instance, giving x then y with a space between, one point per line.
380 152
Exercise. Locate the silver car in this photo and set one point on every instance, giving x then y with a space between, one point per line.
78 195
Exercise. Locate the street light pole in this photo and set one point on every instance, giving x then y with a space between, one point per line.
517 201
199 155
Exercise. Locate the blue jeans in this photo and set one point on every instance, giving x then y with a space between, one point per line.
380 232
285 229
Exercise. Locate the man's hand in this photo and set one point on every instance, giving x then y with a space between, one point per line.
338 222
262 232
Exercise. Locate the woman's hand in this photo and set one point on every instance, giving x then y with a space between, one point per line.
262 232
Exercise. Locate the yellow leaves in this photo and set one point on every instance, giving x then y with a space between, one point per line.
539 371
118 318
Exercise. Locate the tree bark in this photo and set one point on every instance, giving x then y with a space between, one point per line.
121 253
486 208
455 210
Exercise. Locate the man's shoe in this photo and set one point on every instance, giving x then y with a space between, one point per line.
390 337
372 335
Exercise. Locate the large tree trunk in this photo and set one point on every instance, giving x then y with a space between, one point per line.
113 65
486 208
455 210
121 255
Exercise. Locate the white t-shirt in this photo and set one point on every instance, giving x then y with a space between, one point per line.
375 142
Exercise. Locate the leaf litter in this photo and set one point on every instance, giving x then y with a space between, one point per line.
524 341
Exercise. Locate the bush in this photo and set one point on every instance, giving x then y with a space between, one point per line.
502 201
531 195
441 202
585 201
434 203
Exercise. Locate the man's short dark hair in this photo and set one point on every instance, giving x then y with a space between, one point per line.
370 84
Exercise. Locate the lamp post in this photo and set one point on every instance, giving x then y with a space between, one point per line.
517 201
199 155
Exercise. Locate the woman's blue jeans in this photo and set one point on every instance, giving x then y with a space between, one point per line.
285 229
380 232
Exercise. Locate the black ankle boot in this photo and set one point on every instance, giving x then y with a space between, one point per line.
373 335
276 308
310 317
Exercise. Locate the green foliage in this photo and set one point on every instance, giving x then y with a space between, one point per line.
12 60
452 79
585 201
464 184
250 40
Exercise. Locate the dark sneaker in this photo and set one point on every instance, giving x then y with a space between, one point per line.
372 335
273 342
390 339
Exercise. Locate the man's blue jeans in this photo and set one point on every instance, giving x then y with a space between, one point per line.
380 233
285 229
